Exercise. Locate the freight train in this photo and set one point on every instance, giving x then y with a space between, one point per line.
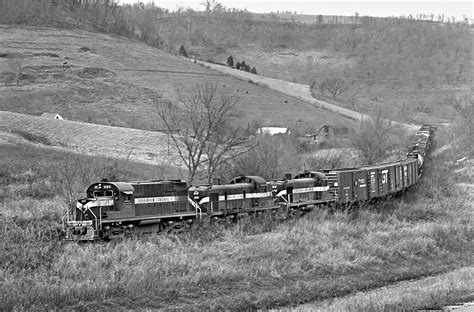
115 208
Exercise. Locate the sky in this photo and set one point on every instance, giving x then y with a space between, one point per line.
382 8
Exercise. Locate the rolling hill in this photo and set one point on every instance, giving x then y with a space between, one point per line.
90 139
98 78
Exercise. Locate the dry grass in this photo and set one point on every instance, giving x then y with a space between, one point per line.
254 264
315 258
427 293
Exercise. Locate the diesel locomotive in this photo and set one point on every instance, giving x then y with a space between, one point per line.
113 209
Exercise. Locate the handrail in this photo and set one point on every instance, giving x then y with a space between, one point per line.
287 202
197 207
95 217
66 216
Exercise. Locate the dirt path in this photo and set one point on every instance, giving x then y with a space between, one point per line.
297 90
406 291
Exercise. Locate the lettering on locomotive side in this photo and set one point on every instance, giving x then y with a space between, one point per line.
95 203
238 196
164 199
305 190
258 195
311 189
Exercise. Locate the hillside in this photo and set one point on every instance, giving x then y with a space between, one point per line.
97 78
89 139
300 91
406 99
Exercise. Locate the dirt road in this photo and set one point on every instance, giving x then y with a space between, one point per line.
297 90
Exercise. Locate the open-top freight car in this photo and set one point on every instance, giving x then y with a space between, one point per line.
354 185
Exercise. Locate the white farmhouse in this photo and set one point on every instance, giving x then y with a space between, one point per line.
272 130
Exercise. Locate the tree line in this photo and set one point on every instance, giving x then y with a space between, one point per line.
390 48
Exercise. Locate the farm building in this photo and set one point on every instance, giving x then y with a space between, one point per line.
52 116
272 130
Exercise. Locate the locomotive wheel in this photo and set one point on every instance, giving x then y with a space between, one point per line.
163 228
218 222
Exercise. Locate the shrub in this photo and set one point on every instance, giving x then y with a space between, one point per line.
33 137
230 61
324 160
376 138
335 86
182 51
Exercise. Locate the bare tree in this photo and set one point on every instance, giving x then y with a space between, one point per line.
201 131
272 157
375 138
335 86
463 119
210 6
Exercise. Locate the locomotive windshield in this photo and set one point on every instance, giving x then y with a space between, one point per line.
103 193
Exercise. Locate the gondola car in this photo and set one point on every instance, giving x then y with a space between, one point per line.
112 208
353 185
243 194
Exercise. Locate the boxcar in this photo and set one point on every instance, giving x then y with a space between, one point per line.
381 180
348 185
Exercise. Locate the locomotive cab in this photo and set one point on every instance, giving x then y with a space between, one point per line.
112 200
104 201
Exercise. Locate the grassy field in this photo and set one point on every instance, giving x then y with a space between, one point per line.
256 264
90 139
96 78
